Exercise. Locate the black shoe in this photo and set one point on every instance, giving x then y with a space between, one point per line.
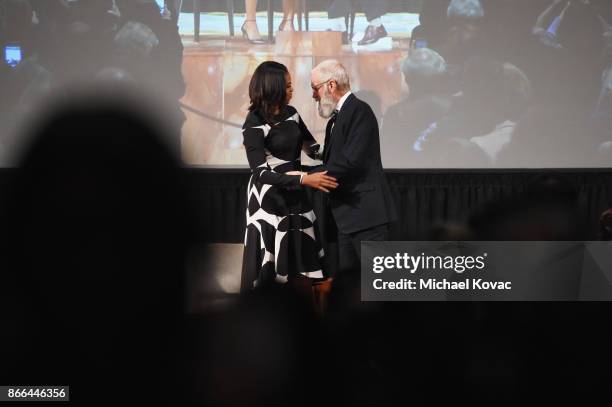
373 34
245 34
284 24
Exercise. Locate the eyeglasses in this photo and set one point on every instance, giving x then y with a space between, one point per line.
315 88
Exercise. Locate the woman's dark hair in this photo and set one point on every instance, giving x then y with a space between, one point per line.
268 89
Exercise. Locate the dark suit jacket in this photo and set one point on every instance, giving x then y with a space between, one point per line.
352 155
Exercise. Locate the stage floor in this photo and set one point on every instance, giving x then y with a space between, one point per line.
214 274
217 71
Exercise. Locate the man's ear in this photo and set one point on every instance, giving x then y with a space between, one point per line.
333 86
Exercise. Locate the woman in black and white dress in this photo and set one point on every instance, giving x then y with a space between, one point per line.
281 238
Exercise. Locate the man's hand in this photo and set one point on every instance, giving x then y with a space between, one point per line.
320 181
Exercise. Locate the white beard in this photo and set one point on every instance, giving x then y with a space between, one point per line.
326 106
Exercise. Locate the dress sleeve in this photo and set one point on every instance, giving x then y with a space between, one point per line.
310 146
254 138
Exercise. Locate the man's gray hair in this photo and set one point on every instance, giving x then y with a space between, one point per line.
423 63
333 69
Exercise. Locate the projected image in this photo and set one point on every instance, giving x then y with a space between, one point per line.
453 84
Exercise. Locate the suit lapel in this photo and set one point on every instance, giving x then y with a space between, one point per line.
329 139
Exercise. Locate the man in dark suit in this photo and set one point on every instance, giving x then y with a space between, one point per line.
361 207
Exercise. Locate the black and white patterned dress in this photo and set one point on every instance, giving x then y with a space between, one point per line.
281 236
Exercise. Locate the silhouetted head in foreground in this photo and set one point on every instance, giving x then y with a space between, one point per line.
97 230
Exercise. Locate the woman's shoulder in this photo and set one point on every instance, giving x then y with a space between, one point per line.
291 113
291 110
253 119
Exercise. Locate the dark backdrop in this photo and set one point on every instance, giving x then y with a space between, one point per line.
424 198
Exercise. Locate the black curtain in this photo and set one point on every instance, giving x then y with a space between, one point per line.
423 198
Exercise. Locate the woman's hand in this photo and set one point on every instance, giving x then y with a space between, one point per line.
320 181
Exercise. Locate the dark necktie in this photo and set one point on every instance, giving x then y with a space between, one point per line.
328 131
330 124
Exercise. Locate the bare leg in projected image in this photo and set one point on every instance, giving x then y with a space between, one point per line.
249 28
288 15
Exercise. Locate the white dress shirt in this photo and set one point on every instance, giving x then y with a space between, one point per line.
342 100
341 103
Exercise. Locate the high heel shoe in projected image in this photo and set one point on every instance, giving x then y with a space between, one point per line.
283 25
245 34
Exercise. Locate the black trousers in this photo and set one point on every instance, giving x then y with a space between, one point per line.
347 278
349 247
372 8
